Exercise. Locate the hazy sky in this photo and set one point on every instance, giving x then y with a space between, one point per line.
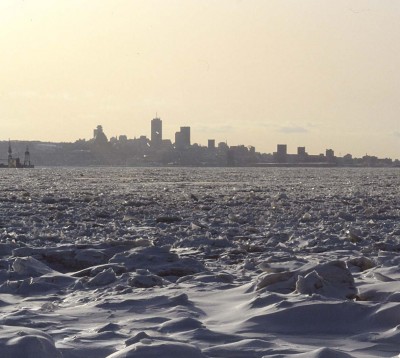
315 73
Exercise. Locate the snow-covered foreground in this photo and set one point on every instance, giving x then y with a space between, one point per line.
190 263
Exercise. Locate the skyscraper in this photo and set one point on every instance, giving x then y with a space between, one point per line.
178 140
182 138
156 132
185 136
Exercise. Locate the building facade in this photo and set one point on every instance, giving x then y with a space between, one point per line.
156 132
182 138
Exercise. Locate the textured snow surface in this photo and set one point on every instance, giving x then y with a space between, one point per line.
183 262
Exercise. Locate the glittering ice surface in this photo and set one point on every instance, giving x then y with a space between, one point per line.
210 262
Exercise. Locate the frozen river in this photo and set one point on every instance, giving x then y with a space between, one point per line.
199 262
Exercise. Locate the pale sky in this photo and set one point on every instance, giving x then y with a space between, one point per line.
314 73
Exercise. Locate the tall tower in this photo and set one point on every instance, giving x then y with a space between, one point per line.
156 132
9 151
27 159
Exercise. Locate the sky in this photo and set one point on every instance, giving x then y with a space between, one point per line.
314 73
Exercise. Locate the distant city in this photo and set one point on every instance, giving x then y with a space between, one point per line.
157 151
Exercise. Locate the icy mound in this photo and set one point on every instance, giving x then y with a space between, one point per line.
314 317
150 349
21 342
158 260
318 353
331 279
29 266
31 277
246 347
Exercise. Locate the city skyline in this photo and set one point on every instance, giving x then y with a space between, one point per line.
313 74
159 151
183 142
157 131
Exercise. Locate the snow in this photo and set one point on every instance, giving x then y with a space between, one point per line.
187 262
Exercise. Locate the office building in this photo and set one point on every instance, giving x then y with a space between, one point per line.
185 131
156 132
281 153
330 155
182 138
301 151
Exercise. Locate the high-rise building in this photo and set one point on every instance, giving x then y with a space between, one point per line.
281 153
281 149
330 155
302 155
178 140
211 144
185 132
156 132
182 138
99 136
